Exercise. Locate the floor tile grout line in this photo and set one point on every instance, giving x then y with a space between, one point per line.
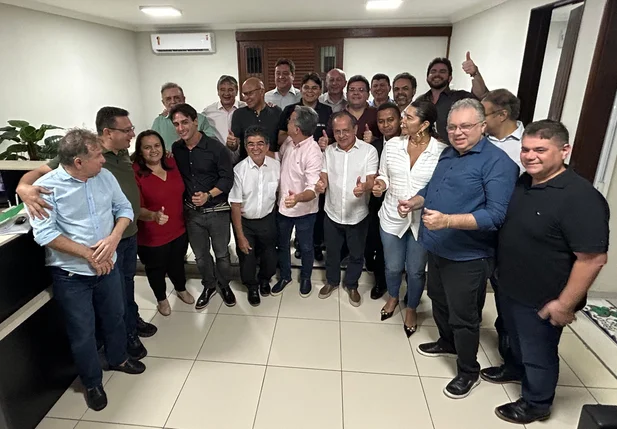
413 356
179 393
571 369
122 424
340 329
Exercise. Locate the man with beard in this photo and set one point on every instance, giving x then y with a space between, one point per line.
404 89
335 84
438 77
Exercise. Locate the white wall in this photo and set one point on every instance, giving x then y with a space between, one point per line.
60 71
393 55
607 280
196 74
549 70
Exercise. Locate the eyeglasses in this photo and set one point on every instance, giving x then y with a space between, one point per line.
256 145
311 88
360 90
494 113
250 93
465 128
124 130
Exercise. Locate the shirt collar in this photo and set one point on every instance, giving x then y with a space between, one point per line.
560 181
329 100
121 152
219 105
253 165
297 146
355 145
292 91
517 134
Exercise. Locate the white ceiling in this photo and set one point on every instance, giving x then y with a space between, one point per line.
250 14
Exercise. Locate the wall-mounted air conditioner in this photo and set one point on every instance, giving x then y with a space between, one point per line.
183 43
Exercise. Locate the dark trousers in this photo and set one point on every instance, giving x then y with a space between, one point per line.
502 334
318 230
304 233
126 262
454 288
84 299
336 235
373 250
165 260
204 229
534 343
261 235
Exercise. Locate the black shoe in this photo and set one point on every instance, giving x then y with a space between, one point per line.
377 292
410 331
135 348
460 386
204 298
145 329
305 288
96 398
253 296
522 412
130 367
229 299
318 254
264 288
385 315
278 288
435 349
500 375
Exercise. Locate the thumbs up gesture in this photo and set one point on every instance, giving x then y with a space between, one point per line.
360 188
469 66
291 200
232 141
323 141
378 188
160 217
320 186
368 134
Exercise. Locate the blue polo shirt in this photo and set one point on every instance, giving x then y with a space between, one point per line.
479 182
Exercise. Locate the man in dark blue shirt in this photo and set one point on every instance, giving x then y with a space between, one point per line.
465 203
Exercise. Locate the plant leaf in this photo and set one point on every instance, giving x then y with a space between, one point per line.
7 129
16 148
50 127
52 140
28 134
18 123
10 135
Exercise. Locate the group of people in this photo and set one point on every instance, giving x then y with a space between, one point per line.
451 180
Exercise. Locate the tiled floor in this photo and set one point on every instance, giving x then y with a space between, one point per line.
314 364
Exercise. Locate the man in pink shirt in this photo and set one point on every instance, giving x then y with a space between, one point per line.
301 162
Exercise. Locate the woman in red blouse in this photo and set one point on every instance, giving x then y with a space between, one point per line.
161 237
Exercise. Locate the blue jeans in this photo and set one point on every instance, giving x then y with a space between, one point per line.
84 299
304 234
126 262
533 345
404 254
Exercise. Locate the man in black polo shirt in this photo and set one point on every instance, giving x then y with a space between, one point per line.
205 166
256 112
438 77
552 246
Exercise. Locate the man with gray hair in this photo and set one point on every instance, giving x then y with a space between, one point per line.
301 162
89 212
172 95
220 112
465 204
335 85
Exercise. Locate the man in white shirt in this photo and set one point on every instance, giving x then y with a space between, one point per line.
335 84
252 198
503 128
348 172
284 94
220 112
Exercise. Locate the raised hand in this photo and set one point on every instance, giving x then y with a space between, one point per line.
323 141
360 188
379 188
368 134
291 200
160 217
232 141
469 66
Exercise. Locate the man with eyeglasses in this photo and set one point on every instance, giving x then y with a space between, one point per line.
284 94
311 88
438 77
357 104
256 112
220 112
335 85
465 204
115 132
172 95
252 199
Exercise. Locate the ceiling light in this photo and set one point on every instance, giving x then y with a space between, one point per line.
383 4
160 11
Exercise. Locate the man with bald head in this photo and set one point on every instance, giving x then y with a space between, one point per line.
256 112
335 84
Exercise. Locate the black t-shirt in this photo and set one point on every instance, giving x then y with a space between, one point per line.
268 118
446 99
323 111
545 224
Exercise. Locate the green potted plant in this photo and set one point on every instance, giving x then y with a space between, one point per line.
27 140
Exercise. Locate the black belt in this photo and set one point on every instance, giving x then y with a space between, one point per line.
222 207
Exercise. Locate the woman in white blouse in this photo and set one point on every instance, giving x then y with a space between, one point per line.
407 165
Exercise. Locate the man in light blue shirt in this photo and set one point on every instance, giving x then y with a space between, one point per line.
88 216
284 94
171 95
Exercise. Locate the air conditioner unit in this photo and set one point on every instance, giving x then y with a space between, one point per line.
183 43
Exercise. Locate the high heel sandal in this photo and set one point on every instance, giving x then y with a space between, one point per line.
410 331
385 315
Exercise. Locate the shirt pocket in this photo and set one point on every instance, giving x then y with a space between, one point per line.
271 189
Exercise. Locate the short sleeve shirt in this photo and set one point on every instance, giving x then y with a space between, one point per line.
446 99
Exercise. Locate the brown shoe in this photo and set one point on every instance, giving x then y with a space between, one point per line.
327 290
186 297
164 308
354 297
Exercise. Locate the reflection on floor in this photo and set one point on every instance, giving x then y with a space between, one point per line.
311 364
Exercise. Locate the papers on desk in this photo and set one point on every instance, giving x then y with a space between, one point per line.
10 221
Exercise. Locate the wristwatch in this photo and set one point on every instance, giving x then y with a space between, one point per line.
209 196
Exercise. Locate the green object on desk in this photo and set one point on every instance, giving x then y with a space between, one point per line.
8 214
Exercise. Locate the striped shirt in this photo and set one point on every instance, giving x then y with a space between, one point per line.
403 183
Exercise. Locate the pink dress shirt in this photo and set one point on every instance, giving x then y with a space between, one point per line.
300 167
